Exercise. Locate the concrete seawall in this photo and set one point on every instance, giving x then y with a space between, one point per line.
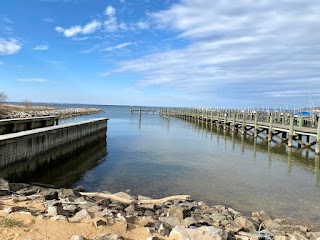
51 142
22 124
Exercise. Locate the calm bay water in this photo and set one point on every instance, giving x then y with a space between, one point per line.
156 157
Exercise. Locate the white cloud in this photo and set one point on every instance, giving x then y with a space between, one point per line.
235 49
110 24
91 27
42 47
110 11
119 46
48 20
9 47
38 80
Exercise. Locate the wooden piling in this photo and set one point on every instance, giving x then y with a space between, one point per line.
270 129
290 137
318 140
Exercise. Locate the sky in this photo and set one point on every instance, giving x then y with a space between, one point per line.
180 53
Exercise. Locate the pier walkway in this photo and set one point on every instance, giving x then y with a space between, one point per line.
292 130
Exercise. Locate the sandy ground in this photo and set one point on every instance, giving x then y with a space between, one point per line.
30 227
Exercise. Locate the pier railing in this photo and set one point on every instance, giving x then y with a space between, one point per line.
285 126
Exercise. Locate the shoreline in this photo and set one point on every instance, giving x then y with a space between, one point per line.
58 213
9 111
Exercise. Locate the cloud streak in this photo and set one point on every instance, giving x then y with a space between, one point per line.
236 49
89 28
36 80
42 47
119 46
109 23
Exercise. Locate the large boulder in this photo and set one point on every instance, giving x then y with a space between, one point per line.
201 233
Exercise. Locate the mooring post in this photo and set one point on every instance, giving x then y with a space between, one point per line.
225 121
300 121
256 125
234 123
211 120
318 140
270 129
244 124
290 137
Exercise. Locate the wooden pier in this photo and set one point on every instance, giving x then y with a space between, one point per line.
141 110
283 126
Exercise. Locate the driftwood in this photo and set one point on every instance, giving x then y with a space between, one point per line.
129 201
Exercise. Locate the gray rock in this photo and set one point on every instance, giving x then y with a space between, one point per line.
4 185
109 236
52 211
164 229
100 222
70 208
170 220
279 237
18 186
260 216
76 237
66 192
217 217
13 209
294 228
124 195
202 233
234 213
176 212
313 235
60 218
51 195
297 236
245 223
148 213
130 210
271 225
83 214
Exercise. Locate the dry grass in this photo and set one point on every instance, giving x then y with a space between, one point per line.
8 222
16 108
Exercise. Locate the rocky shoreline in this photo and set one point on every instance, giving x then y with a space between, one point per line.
61 113
128 217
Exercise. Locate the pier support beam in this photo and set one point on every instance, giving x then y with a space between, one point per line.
290 137
318 140
270 129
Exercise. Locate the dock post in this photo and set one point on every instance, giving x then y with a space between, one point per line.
225 121
300 121
244 124
318 140
211 120
256 125
234 123
290 137
270 129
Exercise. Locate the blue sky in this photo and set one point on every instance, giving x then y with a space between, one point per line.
197 53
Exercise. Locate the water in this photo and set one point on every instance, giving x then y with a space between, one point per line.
157 157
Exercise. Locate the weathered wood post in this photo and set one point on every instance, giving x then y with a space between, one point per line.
211 120
318 140
270 129
290 137
139 112
225 121
256 125
234 123
243 124
300 121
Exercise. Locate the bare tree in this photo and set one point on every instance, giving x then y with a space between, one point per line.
27 103
3 97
